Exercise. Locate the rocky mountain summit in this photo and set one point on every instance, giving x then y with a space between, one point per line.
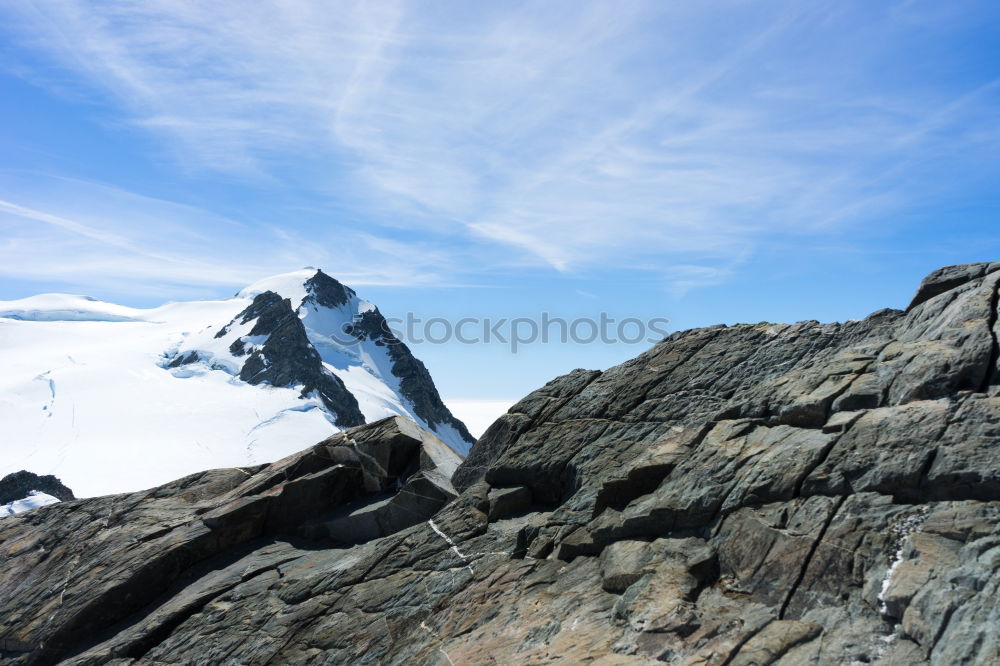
302 340
240 381
752 494
19 484
24 491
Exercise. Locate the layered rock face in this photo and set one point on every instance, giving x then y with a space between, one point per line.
133 567
756 494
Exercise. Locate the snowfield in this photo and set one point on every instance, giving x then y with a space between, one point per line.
34 500
86 394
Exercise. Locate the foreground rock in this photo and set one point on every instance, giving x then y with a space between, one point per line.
111 576
756 494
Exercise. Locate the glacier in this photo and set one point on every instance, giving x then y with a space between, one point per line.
117 399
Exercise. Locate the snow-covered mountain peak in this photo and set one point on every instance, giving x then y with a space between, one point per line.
66 307
296 286
238 381
287 285
323 291
305 329
306 284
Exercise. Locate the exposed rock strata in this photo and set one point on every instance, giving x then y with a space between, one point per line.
755 494
119 573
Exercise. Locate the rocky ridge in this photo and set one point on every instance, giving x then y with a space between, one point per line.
753 494
271 337
287 358
19 484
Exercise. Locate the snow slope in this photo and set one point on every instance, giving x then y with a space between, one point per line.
87 394
34 500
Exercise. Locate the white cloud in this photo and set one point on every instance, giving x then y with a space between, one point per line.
117 242
656 136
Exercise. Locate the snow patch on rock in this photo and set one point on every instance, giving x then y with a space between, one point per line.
34 500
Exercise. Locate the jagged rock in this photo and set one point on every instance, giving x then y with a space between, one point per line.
287 358
947 278
424 462
19 484
532 409
415 383
156 557
326 292
754 494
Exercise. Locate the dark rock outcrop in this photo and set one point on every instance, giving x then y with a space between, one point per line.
287 358
17 486
326 292
755 494
533 409
136 566
415 383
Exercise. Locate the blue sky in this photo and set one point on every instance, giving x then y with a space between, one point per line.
704 162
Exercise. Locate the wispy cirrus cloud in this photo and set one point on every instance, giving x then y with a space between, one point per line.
103 238
666 137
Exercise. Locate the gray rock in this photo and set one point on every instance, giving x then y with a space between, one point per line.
752 494
506 502
532 409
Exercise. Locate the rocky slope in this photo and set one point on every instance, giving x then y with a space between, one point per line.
755 494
